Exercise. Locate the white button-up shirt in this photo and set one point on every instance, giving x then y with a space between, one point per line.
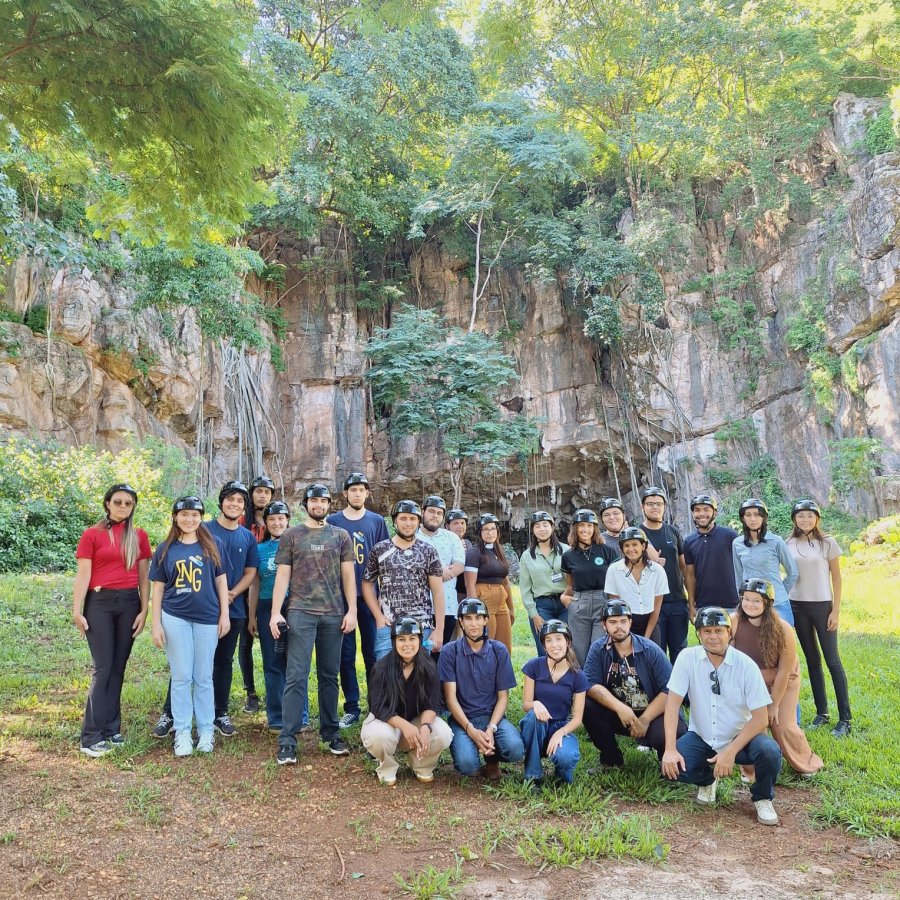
639 595
717 718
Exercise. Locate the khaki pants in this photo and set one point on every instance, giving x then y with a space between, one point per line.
494 598
381 740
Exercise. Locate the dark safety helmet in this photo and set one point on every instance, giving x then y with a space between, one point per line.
542 516
406 506
125 488
183 503
355 478
710 616
262 481
486 519
555 626
316 490
705 500
611 503
653 491
585 515
753 503
434 502
471 606
276 508
633 534
806 505
759 586
234 487
457 513
406 625
615 608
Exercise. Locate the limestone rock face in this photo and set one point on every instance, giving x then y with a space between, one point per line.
685 392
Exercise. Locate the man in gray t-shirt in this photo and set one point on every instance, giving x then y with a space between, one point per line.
314 561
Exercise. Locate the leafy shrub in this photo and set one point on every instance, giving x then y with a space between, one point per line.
49 493
880 134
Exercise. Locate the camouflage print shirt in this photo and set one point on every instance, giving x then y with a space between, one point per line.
315 556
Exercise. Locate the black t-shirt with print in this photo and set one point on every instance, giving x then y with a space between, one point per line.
625 685
588 567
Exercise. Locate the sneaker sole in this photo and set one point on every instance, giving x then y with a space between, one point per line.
162 737
225 734
95 754
767 821
338 752
286 762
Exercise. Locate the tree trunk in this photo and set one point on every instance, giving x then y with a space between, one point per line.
456 481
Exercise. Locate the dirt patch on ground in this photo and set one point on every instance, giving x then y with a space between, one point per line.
235 825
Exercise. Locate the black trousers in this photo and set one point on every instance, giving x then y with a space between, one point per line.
110 616
811 623
223 667
245 659
602 726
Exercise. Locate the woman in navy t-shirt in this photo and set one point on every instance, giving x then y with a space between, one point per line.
553 700
190 614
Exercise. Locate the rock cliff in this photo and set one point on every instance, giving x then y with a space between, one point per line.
693 392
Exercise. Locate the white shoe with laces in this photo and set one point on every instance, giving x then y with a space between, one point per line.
706 793
765 812
184 744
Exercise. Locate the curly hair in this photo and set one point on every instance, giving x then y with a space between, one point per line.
771 634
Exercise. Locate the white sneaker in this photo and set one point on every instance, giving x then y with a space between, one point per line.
706 794
205 742
184 745
765 812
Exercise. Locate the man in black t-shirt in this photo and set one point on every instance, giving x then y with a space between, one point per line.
667 548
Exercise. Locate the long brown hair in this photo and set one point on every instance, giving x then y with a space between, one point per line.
596 537
815 534
771 634
129 546
204 538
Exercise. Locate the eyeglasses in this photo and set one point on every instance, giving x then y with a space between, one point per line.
714 678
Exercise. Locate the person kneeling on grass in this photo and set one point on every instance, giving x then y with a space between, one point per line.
477 675
729 716
553 701
627 674
404 700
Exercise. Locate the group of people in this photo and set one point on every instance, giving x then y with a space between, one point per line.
435 629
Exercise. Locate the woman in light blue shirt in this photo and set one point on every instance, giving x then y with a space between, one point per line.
760 554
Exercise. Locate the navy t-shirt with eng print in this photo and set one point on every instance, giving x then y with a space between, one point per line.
190 582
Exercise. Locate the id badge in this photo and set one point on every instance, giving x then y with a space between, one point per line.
556 577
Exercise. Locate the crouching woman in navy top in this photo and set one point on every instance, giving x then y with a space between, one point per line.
190 614
553 701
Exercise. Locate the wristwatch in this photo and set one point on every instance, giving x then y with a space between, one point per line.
492 727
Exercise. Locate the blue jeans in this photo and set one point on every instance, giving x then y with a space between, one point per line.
673 627
466 758
274 665
349 681
547 608
306 632
383 640
535 736
786 611
190 648
762 753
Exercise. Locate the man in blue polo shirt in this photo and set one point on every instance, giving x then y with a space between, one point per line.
627 675
477 675
709 568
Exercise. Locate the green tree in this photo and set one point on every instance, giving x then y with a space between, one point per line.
159 87
429 377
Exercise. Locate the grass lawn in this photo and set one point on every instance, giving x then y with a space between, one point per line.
45 671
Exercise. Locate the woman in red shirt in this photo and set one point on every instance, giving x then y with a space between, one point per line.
109 608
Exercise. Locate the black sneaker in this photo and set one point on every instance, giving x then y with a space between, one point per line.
348 719
101 748
223 725
287 756
164 727
252 704
339 747
117 740
842 729
820 720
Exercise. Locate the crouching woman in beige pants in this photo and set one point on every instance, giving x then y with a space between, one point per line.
404 699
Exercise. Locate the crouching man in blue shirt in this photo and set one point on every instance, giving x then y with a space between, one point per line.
729 717
477 675
627 675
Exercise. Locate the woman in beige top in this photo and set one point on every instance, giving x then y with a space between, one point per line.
816 604
768 640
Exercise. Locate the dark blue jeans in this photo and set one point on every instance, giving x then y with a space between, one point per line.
673 627
324 634
274 665
549 607
762 753
467 759
535 736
